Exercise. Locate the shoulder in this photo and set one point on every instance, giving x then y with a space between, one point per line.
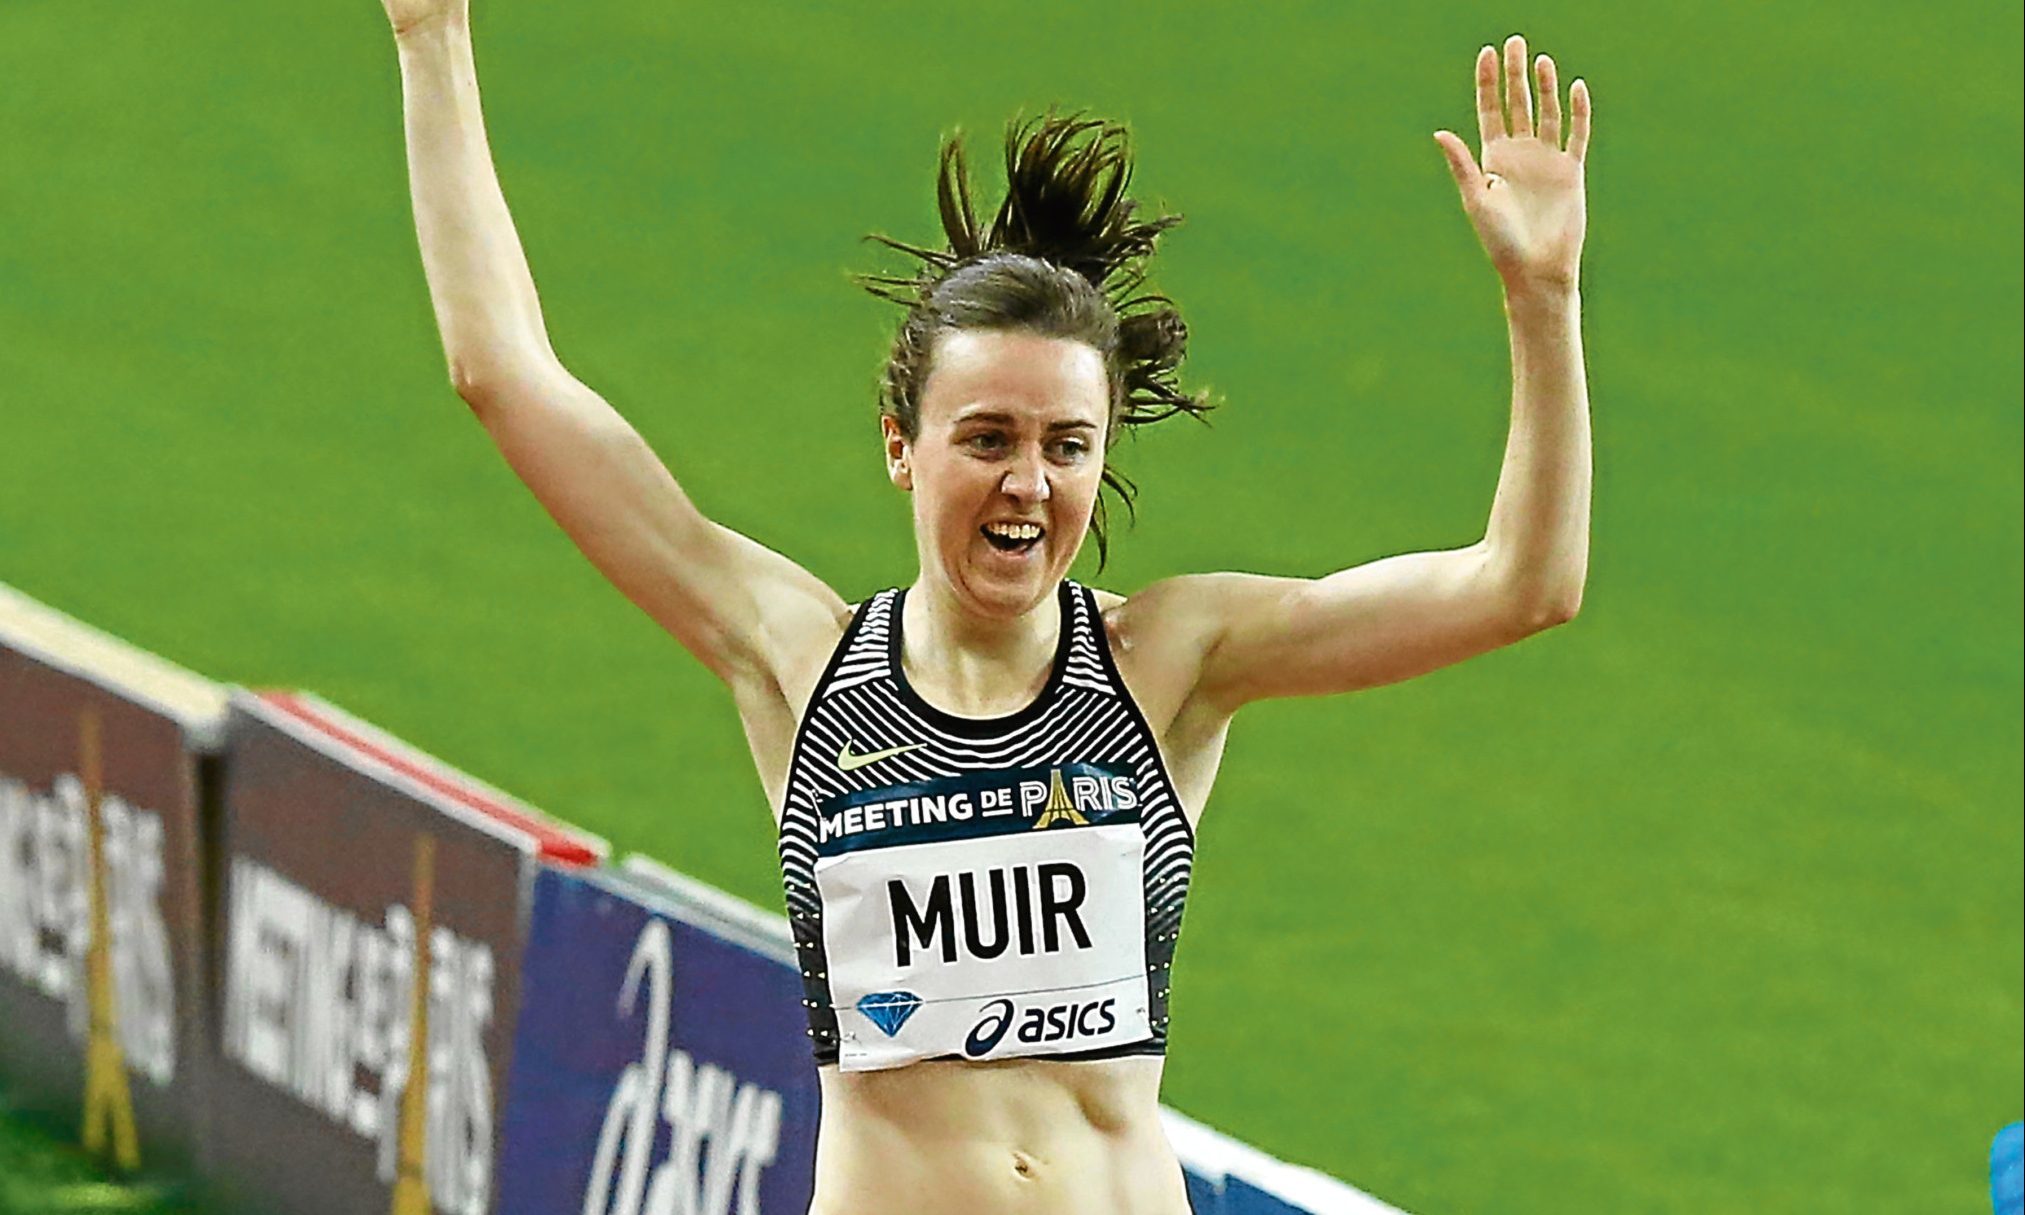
800 645
1182 611
1159 637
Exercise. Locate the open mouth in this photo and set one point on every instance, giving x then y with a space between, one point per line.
1012 537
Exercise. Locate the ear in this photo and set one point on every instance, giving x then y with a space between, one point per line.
899 454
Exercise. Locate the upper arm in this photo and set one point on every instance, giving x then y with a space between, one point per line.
1372 624
742 609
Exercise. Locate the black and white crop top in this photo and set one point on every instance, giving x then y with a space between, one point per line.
981 888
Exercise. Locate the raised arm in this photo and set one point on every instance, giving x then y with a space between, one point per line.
1393 619
746 612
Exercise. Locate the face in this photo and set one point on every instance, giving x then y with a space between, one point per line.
1007 465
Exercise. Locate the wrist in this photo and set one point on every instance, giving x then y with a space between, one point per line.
1541 296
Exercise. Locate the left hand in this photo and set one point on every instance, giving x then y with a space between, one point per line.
1526 201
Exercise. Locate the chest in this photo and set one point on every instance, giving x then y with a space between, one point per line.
1158 676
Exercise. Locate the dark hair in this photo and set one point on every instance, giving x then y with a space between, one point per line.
1064 257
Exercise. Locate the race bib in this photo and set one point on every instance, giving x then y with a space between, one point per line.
988 916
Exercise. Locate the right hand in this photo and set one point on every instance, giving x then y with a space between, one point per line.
412 14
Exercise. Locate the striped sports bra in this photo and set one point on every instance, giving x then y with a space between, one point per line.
981 888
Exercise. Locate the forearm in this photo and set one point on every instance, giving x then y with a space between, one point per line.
1538 537
484 296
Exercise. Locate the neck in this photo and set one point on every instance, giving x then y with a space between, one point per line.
976 664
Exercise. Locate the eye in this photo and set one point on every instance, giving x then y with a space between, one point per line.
985 442
1071 450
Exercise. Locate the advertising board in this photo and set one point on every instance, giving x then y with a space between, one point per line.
373 911
104 751
660 1063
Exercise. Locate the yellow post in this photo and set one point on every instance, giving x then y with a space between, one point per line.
411 1181
108 1102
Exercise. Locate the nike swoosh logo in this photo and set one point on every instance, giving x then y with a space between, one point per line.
850 761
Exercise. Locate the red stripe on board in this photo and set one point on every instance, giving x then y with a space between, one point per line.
551 841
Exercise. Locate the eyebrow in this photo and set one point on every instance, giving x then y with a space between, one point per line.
1006 419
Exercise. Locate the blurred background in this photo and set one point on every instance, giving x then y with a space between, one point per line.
1709 901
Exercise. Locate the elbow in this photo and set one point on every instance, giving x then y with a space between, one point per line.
1558 610
1535 599
477 383
1543 608
487 382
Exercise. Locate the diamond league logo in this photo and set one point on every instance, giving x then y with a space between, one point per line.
889 1010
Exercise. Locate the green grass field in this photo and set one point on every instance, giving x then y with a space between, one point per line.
43 1172
1709 902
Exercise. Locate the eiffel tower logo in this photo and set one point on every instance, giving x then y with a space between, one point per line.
1059 809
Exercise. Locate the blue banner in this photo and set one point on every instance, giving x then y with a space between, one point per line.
657 1066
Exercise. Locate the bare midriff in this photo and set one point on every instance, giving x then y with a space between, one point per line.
1019 1137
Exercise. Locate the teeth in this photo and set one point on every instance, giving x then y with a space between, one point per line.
1015 531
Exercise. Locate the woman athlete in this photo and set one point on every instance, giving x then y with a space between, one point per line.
987 785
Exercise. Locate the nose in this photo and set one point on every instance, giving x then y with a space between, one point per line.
1026 480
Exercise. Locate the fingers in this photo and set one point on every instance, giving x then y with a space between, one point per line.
1518 97
1550 102
1468 178
1490 118
1517 101
1578 120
